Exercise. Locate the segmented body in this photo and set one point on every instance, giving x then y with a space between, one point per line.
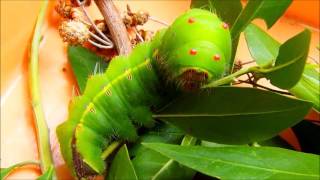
194 50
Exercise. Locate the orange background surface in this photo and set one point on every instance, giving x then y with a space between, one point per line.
18 140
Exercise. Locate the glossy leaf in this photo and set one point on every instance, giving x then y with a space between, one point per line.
263 48
162 132
234 115
269 11
243 162
147 162
308 87
276 141
174 170
228 11
85 63
290 62
213 144
121 166
6 171
48 175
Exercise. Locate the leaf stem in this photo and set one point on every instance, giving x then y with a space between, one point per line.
228 79
113 146
41 125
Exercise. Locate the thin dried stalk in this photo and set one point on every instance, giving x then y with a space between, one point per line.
115 25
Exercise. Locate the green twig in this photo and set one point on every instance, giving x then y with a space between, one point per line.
231 77
41 125
254 69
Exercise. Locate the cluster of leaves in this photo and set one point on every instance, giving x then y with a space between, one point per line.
229 115
226 115
234 117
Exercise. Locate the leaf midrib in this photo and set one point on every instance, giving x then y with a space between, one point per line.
243 165
256 167
230 114
280 66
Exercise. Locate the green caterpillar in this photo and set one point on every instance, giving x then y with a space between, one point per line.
194 50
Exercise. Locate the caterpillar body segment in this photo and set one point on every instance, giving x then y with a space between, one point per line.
111 106
195 49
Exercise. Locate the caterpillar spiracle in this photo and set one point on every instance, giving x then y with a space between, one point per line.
194 50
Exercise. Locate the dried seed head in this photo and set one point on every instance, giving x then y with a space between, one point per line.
66 10
76 14
74 32
63 8
146 35
101 25
141 17
131 19
127 20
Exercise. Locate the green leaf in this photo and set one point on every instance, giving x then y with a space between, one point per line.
121 167
234 115
263 48
162 132
174 170
290 61
243 162
228 11
6 171
276 141
213 144
48 175
85 63
308 87
147 162
269 11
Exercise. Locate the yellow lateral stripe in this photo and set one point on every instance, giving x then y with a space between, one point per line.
106 88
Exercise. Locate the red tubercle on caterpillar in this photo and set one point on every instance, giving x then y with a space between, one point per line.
191 20
225 25
216 57
193 52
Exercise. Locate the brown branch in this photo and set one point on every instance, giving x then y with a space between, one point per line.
115 25
264 87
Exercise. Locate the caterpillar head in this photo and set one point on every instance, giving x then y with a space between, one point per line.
195 49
